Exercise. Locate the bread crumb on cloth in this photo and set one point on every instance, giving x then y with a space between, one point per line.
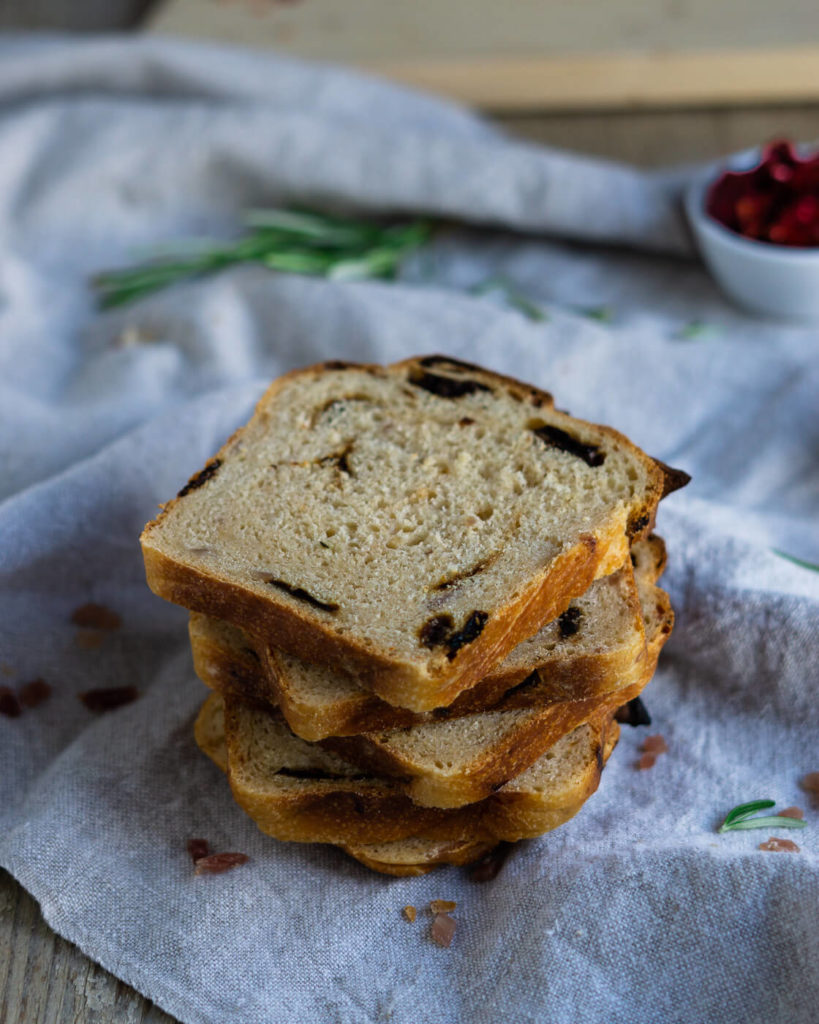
442 930
779 845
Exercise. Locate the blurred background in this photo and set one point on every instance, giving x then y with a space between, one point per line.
646 81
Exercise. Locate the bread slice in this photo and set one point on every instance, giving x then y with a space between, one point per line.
585 653
455 762
417 856
403 857
298 792
411 524
464 759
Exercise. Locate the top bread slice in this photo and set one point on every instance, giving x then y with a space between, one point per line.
583 654
411 524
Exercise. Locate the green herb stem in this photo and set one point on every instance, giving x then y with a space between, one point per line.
796 561
740 818
695 329
745 810
767 821
287 241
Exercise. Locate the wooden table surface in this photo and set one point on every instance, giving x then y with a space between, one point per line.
46 980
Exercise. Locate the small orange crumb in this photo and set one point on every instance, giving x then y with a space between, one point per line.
810 784
779 845
442 930
95 616
409 913
442 906
651 749
34 693
88 639
791 812
655 745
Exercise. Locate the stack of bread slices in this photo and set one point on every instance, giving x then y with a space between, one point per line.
419 594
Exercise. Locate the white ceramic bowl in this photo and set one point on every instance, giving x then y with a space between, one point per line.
774 280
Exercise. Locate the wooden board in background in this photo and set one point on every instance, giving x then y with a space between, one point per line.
656 138
538 54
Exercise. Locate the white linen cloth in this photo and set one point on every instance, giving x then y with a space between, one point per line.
637 910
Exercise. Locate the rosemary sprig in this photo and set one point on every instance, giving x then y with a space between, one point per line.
288 241
740 818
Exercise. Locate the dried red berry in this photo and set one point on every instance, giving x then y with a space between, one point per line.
34 693
95 616
9 704
216 863
198 849
442 930
810 784
110 698
776 201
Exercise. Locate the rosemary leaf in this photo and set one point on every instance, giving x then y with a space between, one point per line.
491 284
306 225
740 818
513 298
768 821
296 262
603 314
746 810
696 329
527 307
376 263
796 561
